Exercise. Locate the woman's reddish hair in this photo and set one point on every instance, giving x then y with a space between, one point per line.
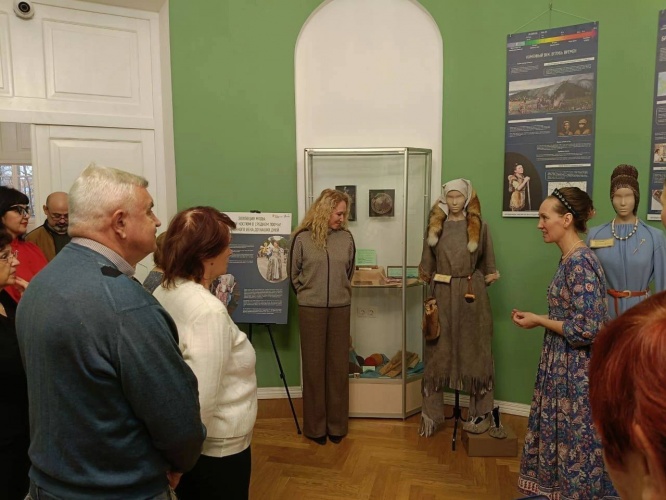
194 235
628 380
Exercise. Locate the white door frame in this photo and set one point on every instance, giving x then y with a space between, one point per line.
162 96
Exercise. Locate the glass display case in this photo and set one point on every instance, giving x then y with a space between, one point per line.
390 191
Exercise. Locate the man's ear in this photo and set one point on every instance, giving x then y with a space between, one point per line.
654 481
46 210
119 223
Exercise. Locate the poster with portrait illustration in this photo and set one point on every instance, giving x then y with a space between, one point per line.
256 286
658 143
550 115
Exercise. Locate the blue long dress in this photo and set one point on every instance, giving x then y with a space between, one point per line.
562 455
631 264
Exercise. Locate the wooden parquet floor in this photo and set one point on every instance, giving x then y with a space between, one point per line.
380 459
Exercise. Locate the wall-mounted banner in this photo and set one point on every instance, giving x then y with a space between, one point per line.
658 150
550 119
256 286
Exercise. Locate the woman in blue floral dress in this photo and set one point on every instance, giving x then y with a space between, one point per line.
562 457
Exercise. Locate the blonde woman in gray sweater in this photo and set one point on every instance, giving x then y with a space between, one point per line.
322 264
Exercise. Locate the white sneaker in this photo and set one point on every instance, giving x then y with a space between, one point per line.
478 425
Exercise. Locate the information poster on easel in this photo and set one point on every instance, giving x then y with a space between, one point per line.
256 286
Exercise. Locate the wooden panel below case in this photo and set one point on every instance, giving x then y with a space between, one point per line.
382 398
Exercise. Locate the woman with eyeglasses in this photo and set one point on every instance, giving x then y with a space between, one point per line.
14 218
14 425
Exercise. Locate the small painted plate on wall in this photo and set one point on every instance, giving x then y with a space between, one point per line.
382 203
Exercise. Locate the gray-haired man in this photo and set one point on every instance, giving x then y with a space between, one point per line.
114 409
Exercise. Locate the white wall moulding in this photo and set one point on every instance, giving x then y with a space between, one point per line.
66 151
15 143
279 393
6 87
63 152
148 5
102 65
94 63
97 67
519 409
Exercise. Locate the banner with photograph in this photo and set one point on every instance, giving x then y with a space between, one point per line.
658 149
256 286
550 115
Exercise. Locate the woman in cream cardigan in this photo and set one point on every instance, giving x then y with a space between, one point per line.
195 251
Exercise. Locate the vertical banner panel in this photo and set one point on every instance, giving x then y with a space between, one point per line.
658 150
550 115
256 286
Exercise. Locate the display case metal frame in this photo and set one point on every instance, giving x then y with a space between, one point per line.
376 397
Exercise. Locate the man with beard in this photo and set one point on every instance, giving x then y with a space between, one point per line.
52 236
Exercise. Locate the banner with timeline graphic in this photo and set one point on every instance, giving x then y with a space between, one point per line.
550 115
256 286
658 149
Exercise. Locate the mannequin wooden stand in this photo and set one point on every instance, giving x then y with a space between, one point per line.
456 415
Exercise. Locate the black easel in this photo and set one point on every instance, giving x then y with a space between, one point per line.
282 376
457 415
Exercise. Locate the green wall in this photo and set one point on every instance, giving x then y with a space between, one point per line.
233 99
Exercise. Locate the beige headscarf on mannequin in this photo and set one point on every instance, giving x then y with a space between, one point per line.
471 211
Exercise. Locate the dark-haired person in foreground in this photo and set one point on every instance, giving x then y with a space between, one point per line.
114 412
14 430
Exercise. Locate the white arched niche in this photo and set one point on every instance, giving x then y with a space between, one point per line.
369 74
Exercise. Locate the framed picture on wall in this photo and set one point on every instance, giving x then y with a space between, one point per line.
351 192
381 203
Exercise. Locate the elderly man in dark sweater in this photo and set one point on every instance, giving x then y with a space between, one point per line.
114 409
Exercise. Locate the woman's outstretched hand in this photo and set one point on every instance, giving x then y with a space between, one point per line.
525 319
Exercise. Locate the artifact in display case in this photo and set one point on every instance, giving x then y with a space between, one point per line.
386 345
381 202
368 276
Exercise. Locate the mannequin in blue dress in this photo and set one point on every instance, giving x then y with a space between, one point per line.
632 254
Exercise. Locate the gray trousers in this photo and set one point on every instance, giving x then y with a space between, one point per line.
325 354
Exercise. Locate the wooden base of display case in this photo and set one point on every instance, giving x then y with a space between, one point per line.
382 397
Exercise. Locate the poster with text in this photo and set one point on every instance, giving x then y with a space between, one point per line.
658 149
550 115
256 286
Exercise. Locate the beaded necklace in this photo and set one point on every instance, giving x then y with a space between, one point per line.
564 257
624 238
562 261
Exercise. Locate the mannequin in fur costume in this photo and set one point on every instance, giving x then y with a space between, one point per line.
458 255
